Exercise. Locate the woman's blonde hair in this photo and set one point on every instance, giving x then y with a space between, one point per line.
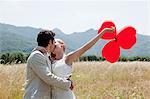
61 42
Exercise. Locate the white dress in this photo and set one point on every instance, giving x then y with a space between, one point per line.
61 69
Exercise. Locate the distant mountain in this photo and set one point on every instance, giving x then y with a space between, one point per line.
17 38
14 38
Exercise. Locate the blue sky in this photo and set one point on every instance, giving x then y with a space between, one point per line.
76 15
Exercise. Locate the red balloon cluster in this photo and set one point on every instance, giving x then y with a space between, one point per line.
125 39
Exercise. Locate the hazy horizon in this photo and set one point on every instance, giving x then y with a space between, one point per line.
62 30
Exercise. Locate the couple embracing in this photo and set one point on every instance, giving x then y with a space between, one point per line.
48 67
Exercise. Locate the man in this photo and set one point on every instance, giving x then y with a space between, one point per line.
39 78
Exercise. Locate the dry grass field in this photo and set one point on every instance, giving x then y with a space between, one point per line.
93 80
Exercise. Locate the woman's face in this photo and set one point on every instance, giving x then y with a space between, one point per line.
58 51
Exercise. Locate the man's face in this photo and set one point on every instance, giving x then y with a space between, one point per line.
51 46
58 50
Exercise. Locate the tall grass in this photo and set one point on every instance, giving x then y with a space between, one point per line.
93 80
11 81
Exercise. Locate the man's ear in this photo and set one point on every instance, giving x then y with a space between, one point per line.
50 42
53 42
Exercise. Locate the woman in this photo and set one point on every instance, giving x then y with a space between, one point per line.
62 64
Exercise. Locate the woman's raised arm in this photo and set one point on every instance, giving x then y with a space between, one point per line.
72 56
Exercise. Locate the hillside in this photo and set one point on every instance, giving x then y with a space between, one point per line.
24 39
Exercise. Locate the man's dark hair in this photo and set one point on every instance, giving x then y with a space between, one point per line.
44 37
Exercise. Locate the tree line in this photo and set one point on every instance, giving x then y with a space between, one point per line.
122 58
21 57
13 57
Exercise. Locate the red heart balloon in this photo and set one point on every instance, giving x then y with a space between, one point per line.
111 51
107 35
126 37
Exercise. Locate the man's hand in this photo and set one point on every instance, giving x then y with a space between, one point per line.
72 85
